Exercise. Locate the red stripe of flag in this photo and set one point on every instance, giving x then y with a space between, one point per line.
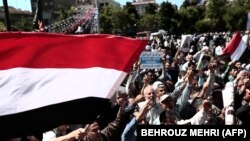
233 44
43 50
37 100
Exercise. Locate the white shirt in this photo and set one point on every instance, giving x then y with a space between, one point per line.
153 114
218 50
200 118
47 136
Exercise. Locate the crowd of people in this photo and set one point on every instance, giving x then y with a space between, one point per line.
182 92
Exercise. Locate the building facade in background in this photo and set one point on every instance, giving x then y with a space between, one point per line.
51 9
141 4
15 15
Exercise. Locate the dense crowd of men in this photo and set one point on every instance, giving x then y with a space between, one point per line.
197 85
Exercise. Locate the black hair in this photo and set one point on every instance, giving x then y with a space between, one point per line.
191 63
247 86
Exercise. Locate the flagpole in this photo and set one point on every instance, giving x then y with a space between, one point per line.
38 15
7 16
98 16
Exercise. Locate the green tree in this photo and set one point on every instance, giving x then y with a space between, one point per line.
122 21
2 26
149 22
217 15
185 4
236 15
183 19
188 18
151 8
194 2
64 13
235 18
23 24
204 25
116 20
133 17
130 9
167 12
106 20
215 12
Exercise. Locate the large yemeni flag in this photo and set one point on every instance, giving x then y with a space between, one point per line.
50 79
238 48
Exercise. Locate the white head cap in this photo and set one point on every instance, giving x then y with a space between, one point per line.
156 83
163 97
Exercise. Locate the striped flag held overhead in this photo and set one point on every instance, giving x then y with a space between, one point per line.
238 47
50 79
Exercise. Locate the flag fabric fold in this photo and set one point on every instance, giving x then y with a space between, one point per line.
232 45
50 79
237 47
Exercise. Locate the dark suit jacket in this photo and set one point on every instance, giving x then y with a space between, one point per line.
243 113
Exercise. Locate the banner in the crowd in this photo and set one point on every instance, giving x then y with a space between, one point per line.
185 42
228 94
52 79
150 60
200 64
203 61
